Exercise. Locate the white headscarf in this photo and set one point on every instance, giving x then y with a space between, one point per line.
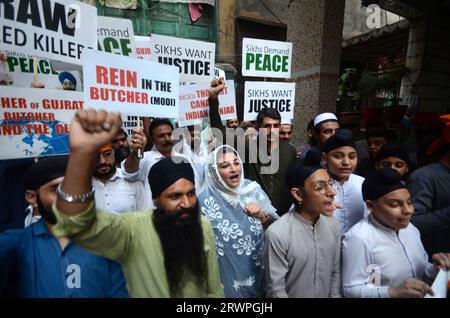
244 193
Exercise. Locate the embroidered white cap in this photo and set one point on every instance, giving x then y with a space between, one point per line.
324 117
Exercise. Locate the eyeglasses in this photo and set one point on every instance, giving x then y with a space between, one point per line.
321 187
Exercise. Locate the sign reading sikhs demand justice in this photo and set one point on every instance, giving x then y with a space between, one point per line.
263 58
53 29
116 35
35 122
194 59
259 95
194 106
134 87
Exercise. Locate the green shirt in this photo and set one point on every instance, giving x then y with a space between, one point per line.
131 239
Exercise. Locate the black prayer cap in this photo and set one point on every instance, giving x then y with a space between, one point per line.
341 138
44 171
302 169
381 182
166 172
392 149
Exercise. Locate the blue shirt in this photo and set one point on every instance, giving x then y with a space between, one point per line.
33 264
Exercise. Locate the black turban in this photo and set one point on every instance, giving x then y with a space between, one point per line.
44 171
166 172
381 182
302 169
391 149
341 138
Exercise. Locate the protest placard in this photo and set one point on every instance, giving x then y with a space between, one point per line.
194 59
18 71
53 29
35 122
218 73
143 47
116 35
130 122
264 58
132 86
259 95
194 106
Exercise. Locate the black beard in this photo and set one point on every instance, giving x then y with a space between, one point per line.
182 244
106 174
48 216
121 154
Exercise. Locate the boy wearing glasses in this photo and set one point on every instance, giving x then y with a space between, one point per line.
113 193
341 159
302 249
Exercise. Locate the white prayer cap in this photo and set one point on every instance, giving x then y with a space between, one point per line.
324 117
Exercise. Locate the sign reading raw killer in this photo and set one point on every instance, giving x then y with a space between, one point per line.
35 122
134 87
259 95
194 59
263 58
194 106
54 29
116 36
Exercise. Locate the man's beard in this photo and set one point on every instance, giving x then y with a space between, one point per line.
105 175
182 244
47 215
121 154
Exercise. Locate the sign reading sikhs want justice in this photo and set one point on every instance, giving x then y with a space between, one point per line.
53 29
263 58
132 86
194 59
259 95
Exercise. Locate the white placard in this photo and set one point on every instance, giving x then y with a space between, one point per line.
116 35
264 58
439 286
194 59
259 95
35 122
132 86
18 71
53 29
218 73
194 106
130 122
143 47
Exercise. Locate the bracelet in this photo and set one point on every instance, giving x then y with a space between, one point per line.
75 197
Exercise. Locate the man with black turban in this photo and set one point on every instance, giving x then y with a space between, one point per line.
168 252
35 263
382 254
303 247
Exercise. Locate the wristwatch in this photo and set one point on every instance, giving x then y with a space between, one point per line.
75 197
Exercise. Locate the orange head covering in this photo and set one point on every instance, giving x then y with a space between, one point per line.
445 135
106 148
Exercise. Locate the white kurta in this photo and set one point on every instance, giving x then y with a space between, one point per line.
302 260
118 195
376 258
349 195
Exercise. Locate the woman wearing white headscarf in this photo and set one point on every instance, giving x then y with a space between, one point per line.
238 210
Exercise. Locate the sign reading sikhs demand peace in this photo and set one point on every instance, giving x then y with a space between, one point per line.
116 35
264 58
53 29
259 95
35 122
194 59
194 106
134 87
